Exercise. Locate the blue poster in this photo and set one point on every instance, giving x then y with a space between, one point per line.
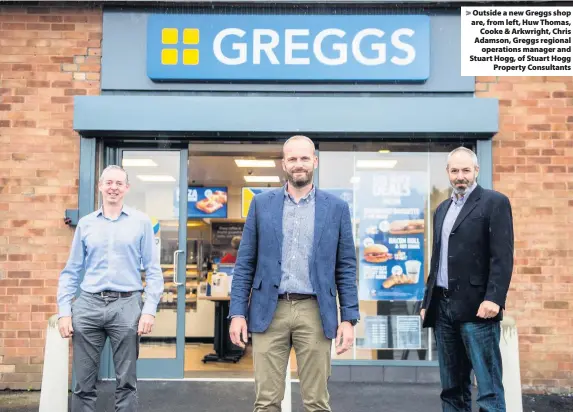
391 234
203 202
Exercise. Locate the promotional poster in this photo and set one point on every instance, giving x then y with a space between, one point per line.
203 202
391 235
247 195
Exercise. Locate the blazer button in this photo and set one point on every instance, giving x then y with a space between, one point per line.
279 262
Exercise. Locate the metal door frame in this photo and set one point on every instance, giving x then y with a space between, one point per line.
159 368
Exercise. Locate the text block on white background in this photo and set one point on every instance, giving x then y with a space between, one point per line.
516 41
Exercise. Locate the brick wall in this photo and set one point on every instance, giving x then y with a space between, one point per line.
533 165
47 55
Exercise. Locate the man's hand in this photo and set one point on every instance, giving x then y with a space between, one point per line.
423 314
237 330
146 322
344 337
488 310
65 326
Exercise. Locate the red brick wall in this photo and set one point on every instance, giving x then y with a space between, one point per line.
47 55
533 165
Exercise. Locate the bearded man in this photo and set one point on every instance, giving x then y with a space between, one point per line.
470 273
296 254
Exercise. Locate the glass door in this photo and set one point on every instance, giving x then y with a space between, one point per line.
157 177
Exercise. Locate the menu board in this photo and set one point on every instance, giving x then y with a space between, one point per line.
204 202
224 232
225 240
391 235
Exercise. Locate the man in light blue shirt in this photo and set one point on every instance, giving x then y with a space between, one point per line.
111 246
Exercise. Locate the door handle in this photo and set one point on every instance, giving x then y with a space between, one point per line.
176 267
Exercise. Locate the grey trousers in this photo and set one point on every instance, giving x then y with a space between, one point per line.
95 318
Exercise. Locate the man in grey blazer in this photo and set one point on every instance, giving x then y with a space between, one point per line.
296 255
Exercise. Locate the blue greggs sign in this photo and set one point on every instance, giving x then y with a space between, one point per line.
316 48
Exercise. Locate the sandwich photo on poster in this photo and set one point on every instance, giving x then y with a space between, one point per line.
207 202
391 235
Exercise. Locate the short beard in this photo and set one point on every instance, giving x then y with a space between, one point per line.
460 191
300 183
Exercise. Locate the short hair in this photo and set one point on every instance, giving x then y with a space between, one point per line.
114 167
236 242
298 137
465 150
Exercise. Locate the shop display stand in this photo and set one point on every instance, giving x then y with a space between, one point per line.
225 350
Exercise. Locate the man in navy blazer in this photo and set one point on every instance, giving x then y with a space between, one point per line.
466 291
296 256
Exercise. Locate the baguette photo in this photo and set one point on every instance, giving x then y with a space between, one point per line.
397 280
406 227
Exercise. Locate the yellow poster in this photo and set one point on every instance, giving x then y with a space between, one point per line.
247 195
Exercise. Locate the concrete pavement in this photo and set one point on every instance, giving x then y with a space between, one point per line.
190 396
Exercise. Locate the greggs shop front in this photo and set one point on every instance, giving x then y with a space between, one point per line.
195 103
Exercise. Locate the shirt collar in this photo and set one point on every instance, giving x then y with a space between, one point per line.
309 196
465 195
125 210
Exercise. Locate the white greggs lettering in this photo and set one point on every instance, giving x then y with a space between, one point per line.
290 46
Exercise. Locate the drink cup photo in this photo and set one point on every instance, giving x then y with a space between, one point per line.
413 269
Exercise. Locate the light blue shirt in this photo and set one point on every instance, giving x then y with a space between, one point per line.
112 253
453 212
298 240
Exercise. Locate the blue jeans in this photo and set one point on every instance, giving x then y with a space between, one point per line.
461 348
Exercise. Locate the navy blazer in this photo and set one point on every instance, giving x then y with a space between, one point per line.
480 256
257 274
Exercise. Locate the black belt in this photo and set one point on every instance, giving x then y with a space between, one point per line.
113 294
296 296
442 292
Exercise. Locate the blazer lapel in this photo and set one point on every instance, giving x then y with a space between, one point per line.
440 217
470 205
277 205
320 215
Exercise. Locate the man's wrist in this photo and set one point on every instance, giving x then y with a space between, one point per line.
65 311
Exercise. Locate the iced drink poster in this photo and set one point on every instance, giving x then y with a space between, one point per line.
391 235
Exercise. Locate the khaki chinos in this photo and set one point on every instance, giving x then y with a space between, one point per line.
296 323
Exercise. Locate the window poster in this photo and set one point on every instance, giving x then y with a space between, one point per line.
203 202
247 196
376 333
391 235
407 333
